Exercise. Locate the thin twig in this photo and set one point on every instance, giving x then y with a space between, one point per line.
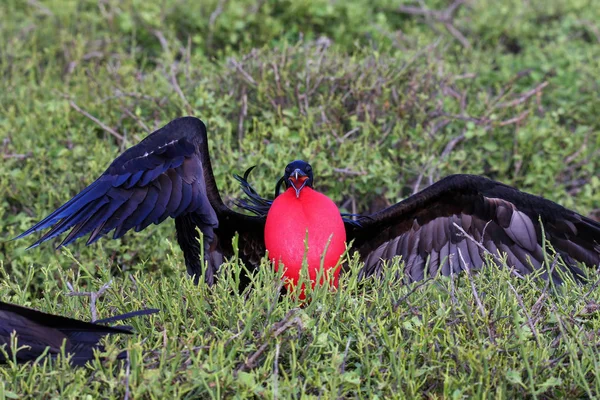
445 17
92 295
178 90
480 245
42 8
243 114
137 119
163 41
452 278
348 134
458 35
529 321
16 156
343 365
102 125
452 144
277 329
515 120
215 14
348 171
417 184
473 289
524 96
276 371
127 375
244 74
414 289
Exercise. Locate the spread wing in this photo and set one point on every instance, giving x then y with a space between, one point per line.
36 337
451 225
168 174
37 331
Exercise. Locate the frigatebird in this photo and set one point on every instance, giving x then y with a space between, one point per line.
446 228
37 331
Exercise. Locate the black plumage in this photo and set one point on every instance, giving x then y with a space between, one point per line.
462 218
168 174
37 331
450 226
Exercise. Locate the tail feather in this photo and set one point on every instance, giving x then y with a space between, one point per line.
39 331
147 311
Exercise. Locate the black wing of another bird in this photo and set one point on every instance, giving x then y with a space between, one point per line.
168 174
427 230
37 331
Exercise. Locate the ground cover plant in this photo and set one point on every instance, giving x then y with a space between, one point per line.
383 98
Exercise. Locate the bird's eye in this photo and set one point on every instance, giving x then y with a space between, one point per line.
308 168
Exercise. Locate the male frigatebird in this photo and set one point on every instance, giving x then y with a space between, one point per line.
37 331
288 218
446 228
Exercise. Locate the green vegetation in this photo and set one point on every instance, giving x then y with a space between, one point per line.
382 100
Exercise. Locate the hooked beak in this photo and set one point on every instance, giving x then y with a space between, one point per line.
298 180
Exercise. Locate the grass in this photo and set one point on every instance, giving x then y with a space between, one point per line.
382 101
375 338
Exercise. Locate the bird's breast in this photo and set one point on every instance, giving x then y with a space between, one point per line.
292 220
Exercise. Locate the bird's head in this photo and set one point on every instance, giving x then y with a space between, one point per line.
298 174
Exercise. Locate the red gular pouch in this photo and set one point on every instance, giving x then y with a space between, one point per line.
303 227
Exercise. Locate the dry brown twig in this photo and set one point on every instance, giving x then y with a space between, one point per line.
137 119
445 17
101 124
523 97
92 295
41 8
496 257
348 171
243 114
276 330
396 304
529 320
163 41
343 365
276 371
127 377
473 289
476 296
243 73
173 69
175 84
16 156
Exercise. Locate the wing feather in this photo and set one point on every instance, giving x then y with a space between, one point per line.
167 174
141 187
164 195
176 193
40 331
496 218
